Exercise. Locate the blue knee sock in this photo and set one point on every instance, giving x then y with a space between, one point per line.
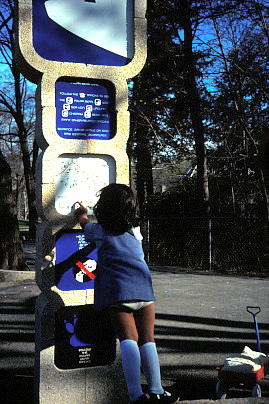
131 362
151 367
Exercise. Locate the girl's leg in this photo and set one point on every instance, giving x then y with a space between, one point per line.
124 324
151 367
126 331
145 319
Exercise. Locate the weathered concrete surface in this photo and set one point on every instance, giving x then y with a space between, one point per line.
16 276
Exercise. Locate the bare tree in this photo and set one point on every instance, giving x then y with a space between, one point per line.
239 75
15 100
11 252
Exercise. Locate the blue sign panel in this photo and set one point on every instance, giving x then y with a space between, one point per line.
83 338
75 261
84 111
98 32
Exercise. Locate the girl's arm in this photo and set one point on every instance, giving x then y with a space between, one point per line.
81 215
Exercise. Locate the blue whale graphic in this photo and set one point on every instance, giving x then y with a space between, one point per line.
104 23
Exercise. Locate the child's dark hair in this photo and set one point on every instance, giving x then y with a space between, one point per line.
117 209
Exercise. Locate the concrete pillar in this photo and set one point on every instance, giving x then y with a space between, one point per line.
82 127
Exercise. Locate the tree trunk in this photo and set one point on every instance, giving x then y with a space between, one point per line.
139 147
144 179
28 171
11 251
195 114
30 186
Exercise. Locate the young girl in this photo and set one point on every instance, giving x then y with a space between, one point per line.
123 286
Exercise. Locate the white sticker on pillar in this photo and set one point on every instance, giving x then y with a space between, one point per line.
80 178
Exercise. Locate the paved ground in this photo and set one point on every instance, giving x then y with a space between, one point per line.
17 324
200 319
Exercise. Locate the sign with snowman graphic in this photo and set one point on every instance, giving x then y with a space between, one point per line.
98 32
75 261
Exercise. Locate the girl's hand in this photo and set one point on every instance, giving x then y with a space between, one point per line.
81 215
81 210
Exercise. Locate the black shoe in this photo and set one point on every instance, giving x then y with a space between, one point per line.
166 397
141 400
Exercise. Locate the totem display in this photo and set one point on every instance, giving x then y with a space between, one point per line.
81 54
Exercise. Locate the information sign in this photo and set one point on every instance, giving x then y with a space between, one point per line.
98 32
80 178
83 338
75 261
84 111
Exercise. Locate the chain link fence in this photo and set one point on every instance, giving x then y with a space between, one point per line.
224 244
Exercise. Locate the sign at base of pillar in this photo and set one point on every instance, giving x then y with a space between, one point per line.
83 338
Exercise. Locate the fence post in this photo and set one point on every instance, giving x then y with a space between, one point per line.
210 243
